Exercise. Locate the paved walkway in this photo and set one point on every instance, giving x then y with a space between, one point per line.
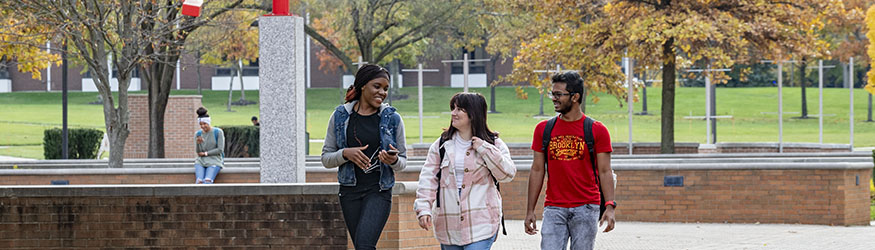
641 235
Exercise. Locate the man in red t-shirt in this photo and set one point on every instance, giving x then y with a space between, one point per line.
571 208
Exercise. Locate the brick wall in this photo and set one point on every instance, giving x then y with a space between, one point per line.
185 221
808 196
403 231
179 126
184 177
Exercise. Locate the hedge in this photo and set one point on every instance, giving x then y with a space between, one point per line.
241 141
82 143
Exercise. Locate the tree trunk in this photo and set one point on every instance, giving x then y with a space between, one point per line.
802 83
668 94
116 119
198 61
118 129
160 76
492 60
157 108
240 75
230 90
583 100
644 94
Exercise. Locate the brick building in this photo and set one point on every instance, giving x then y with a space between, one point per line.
214 78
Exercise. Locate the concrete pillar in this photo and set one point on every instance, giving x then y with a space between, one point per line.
282 79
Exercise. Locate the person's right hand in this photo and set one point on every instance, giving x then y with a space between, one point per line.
531 227
356 156
200 140
425 222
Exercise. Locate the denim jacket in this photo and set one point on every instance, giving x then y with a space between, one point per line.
391 132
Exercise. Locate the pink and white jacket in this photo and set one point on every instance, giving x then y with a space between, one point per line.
475 214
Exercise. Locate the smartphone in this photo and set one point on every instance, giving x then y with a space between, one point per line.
392 152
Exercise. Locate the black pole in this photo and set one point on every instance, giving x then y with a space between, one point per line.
64 136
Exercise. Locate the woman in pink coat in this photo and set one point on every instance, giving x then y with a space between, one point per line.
458 185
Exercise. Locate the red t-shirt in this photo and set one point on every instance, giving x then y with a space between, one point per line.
570 179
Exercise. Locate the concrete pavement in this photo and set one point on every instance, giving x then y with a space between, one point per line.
642 235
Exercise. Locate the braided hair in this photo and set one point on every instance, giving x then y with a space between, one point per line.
364 75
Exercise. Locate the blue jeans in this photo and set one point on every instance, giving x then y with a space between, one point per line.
366 213
483 244
579 223
205 175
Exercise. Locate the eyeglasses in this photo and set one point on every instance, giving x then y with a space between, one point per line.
557 95
375 163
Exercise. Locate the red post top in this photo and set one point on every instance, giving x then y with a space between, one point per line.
280 8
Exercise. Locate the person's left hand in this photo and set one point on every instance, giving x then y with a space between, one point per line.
609 218
386 157
476 142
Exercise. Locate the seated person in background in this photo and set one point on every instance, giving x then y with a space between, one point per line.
209 145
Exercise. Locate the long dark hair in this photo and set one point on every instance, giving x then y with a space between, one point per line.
363 76
475 105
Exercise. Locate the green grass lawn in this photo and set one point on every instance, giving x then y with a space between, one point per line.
24 115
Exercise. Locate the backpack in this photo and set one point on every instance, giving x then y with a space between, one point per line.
590 146
441 152
216 135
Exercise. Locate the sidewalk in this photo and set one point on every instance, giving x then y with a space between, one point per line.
641 235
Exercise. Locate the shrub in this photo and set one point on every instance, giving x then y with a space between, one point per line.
82 143
241 141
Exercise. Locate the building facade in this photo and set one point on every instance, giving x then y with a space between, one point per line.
210 77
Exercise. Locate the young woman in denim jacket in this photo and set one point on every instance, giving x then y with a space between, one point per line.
365 141
474 159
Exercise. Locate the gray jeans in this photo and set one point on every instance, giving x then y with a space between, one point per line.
579 223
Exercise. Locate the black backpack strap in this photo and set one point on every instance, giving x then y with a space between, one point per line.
545 140
441 152
498 188
590 146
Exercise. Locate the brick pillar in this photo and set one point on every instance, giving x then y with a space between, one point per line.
180 124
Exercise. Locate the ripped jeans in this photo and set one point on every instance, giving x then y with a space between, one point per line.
205 175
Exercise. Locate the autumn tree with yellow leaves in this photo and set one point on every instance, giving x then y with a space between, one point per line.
20 40
870 22
138 35
592 36
229 41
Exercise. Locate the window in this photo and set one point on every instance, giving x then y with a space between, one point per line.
134 74
473 67
250 69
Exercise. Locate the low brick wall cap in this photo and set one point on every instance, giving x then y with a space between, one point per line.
171 190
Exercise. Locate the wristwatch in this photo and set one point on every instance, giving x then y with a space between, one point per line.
611 203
